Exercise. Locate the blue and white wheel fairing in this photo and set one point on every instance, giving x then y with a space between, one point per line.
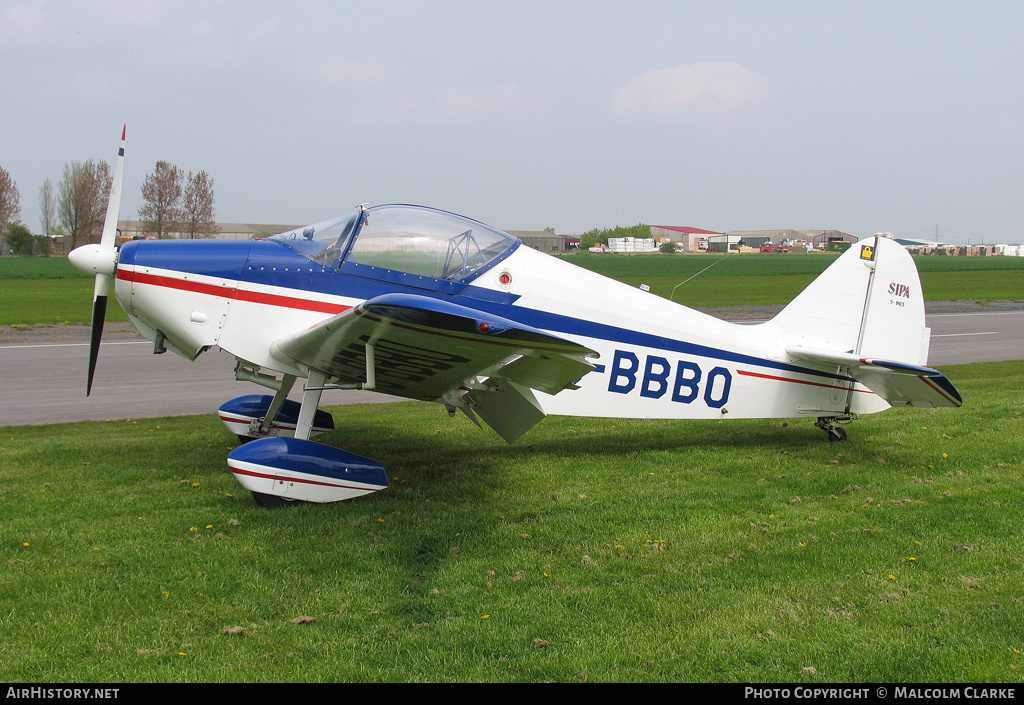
240 413
296 470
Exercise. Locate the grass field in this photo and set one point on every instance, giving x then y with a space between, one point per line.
590 550
49 290
754 279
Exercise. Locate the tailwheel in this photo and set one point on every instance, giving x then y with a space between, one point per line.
273 501
828 425
837 435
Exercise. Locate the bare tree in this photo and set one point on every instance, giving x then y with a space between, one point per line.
197 206
10 200
82 200
161 212
47 208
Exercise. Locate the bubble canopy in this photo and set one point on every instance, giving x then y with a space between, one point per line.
411 239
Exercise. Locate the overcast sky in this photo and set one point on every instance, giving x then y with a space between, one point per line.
858 116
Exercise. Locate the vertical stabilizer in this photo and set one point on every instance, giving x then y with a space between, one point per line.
868 303
893 325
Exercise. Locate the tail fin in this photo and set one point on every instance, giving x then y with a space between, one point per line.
865 315
868 302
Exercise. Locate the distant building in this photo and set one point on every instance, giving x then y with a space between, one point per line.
130 229
543 240
815 239
687 239
756 238
724 242
821 239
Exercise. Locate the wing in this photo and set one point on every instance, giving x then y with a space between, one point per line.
898 383
423 348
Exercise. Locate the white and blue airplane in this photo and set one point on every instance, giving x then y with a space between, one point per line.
428 305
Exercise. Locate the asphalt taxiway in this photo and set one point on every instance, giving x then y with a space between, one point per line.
43 370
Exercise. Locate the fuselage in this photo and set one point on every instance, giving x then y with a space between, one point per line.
657 359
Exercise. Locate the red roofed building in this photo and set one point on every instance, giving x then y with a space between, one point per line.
686 239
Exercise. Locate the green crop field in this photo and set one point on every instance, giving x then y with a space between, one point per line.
47 290
589 551
755 279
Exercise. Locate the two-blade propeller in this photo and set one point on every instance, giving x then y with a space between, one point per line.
101 259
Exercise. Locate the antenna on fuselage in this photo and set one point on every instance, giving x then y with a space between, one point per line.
696 275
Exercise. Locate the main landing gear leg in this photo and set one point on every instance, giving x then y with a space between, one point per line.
275 406
261 427
310 399
828 425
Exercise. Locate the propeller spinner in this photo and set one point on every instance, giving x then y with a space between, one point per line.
101 259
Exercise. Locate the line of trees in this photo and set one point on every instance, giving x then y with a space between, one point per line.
18 237
177 204
173 205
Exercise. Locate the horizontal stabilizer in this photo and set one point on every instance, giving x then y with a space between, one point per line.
899 383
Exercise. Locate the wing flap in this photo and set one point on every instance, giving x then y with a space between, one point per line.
510 409
899 383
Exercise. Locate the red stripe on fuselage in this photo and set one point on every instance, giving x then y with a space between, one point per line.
745 373
228 292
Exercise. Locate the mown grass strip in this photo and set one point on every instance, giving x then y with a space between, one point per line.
591 550
757 279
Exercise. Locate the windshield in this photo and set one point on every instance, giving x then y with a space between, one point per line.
324 242
426 242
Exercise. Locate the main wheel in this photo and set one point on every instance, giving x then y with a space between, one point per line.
273 501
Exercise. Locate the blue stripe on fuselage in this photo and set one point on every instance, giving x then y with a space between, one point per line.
558 323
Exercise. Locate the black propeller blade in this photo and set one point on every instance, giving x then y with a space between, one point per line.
102 259
99 314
